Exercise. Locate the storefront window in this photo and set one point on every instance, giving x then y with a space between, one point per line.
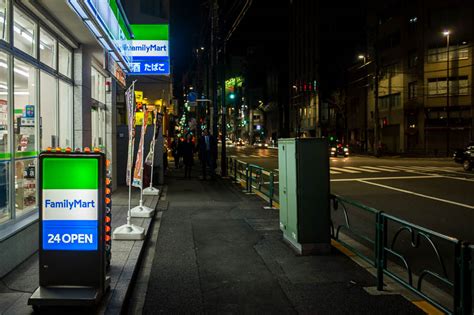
47 49
25 136
3 20
65 114
24 32
97 86
4 144
48 111
65 61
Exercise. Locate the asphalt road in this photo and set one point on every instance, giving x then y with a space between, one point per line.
433 193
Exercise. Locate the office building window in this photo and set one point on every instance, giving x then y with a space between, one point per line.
47 49
412 86
65 61
25 113
457 86
390 101
412 59
455 53
5 155
24 32
4 20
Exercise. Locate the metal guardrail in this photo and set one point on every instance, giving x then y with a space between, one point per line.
395 239
254 177
388 239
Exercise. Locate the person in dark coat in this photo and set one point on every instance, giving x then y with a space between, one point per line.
207 153
174 152
188 155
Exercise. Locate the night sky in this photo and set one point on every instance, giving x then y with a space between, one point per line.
184 34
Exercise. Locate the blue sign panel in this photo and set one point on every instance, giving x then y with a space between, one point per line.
150 66
70 235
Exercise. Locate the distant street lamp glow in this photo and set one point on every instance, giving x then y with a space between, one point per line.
446 33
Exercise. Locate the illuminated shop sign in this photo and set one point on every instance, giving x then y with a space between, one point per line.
70 210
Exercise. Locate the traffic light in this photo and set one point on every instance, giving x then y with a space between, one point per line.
232 96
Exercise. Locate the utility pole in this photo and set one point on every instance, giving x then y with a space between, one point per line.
214 29
376 95
224 112
446 33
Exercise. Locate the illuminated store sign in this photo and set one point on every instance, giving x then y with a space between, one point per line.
70 204
149 51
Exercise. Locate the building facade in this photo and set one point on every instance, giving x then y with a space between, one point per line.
59 77
420 53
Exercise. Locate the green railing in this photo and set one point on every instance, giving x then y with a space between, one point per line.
419 259
254 178
427 258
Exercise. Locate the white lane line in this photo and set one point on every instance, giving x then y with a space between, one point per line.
433 169
459 178
400 168
385 178
334 172
344 170
419 195
361 169
383 169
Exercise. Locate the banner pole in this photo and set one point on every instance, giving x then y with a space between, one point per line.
151 190
128 231
142 211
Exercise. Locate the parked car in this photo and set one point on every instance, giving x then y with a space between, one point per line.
260 144
338 149
465 157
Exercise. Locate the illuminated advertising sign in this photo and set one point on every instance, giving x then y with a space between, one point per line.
149 51
70 204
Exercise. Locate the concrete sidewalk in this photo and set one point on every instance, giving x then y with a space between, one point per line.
18 285
219 251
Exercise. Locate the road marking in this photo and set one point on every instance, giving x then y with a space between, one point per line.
401 168
344 170
334 172
381 169
419 195
361 169
385 178
432 169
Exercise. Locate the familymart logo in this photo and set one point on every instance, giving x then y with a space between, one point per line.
146 48
70 204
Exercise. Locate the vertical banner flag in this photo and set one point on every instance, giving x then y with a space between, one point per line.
151 154
138 172
130 104
70 207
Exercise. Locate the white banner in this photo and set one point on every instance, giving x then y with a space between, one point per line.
130 105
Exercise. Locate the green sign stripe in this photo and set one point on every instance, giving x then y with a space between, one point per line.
26 154
5 156
150 31
70 173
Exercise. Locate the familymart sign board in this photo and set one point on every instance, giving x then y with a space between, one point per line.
148 50
70 205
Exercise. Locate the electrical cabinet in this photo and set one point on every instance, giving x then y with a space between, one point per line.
304 194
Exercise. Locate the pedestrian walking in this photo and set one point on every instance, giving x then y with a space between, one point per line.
188 156
174 152
207 153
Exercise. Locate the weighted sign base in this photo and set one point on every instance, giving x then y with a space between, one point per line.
64 296
129 232
142 211
151 191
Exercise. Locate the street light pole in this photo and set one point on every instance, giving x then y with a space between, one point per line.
446 33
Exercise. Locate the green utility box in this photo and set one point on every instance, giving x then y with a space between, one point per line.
304 194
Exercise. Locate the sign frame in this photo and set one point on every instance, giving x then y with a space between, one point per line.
72 277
